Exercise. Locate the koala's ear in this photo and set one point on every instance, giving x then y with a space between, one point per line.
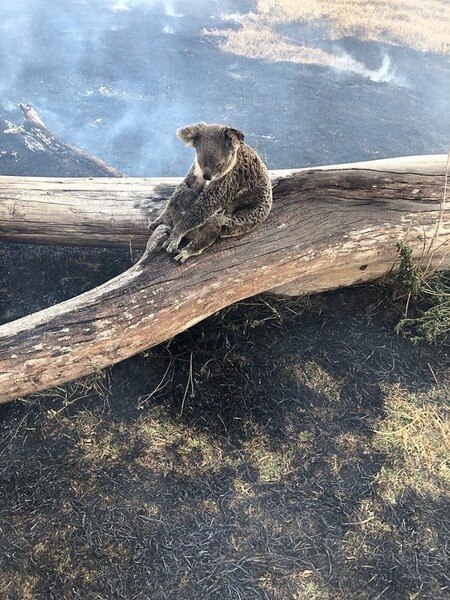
234 134
190 134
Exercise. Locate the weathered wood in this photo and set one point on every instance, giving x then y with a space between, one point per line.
39 139
330 226
83 212
114 212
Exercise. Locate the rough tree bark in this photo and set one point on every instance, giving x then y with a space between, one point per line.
330 226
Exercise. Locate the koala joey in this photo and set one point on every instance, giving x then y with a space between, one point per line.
226 192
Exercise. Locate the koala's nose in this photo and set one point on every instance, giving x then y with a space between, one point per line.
207 174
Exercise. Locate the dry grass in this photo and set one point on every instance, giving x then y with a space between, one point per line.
316 378
301 473
169 446
407 510
305 584
98 446
256 40
416 436
421 24
272 464
96 383
20 583
259 41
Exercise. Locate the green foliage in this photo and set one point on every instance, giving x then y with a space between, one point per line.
410 275
427 295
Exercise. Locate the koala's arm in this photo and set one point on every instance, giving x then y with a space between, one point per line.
246 218
208 204
190 186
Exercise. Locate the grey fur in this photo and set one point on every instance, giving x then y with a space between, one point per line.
226 192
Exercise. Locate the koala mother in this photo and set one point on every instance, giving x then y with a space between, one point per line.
225 193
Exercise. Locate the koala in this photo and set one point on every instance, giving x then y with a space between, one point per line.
226 192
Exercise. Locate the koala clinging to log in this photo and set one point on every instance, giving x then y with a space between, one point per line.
226 192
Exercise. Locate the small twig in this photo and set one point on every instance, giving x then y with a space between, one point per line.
408 299
144 399
131 252
432 372
190 380
441 214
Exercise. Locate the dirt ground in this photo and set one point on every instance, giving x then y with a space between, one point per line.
280 449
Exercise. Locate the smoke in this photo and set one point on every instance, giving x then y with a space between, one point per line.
89 88
386 73
168 6
15 43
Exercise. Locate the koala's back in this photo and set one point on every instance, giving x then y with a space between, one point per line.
249 183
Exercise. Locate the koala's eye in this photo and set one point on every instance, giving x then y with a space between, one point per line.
220 164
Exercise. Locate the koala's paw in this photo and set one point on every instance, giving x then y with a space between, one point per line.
152 225
224 220
182 256
172 243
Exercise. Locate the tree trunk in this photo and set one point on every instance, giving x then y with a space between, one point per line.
330 227
39 137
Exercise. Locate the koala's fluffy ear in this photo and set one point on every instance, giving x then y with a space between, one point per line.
234 134
190 134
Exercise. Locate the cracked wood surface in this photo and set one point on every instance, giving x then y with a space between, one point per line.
330 227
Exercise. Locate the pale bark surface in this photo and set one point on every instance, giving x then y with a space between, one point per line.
330 227
114 212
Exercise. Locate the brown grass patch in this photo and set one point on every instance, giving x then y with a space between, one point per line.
273 464
256 40
97 446
305 585
20 584
416 436
171 446
406 508
421 24
316 378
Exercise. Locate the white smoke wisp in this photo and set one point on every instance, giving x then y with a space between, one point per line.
120 6
235 17
127 5
385 74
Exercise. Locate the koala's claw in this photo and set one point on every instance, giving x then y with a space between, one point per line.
152 225
182 256
224 220
171 244
158 224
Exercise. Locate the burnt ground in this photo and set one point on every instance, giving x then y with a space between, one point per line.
239 460
281 449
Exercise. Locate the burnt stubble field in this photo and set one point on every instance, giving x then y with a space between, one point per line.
281 449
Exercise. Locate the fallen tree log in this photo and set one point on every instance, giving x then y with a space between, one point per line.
115 212
330 227
34 147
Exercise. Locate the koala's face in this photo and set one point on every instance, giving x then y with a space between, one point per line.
216 147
